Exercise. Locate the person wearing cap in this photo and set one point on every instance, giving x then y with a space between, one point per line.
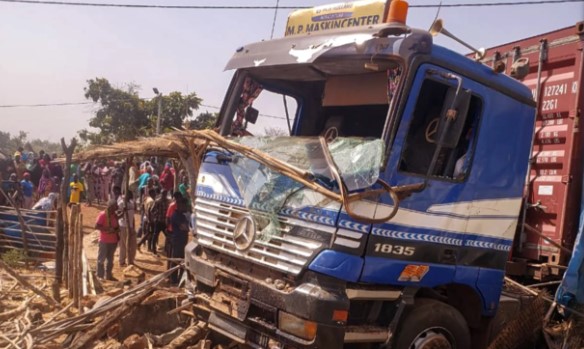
109 228
27 191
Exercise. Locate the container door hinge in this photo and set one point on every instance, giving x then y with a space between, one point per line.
566 179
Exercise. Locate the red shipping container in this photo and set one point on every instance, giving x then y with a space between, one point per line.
555 183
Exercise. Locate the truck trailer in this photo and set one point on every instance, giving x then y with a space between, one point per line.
551 65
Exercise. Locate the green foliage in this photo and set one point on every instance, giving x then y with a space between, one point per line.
39 144
13 257
9 143
176 107
203 121
123 115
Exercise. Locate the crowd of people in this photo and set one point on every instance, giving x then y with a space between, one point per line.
159 212
162 205
28 176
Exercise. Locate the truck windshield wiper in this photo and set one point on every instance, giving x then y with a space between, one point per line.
348 199
287 115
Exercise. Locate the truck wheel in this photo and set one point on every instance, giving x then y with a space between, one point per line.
432 325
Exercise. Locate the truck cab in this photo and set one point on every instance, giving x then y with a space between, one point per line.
432 146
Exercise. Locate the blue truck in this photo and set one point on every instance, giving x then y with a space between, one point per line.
431 147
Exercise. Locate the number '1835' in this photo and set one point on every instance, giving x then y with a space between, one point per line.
395 249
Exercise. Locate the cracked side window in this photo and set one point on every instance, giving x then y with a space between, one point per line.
453 163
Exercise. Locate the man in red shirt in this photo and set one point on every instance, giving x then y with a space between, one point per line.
107 224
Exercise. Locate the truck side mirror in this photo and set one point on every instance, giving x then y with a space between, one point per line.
453 117
251 115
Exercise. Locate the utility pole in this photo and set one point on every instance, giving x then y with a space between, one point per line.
159 109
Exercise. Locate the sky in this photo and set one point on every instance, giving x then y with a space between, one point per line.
47 53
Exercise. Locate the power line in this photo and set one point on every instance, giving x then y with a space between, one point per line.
64 104
275 16
43 105
508 3
177 7
78 103
231 7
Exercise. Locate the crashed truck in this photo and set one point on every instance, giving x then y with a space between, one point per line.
429 150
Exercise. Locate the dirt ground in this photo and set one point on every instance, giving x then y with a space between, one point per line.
145 261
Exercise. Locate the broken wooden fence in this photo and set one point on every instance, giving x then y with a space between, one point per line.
37 240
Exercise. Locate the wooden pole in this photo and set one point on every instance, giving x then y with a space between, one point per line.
78 258
126 240
60 246
72 261
68 150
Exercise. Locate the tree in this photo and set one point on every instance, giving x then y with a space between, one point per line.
9 143
203 121
124 116
176 107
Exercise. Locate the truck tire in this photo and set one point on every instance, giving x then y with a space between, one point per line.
432 325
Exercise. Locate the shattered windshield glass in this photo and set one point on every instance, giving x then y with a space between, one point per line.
265 192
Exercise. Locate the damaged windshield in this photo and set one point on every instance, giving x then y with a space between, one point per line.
265 192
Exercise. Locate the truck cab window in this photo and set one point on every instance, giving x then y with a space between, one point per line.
453 163
278 111
275 110
355 105
351 102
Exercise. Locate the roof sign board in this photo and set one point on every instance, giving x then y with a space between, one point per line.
336 16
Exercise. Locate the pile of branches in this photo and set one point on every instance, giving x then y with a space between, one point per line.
146 316
95 320
22 303
16 323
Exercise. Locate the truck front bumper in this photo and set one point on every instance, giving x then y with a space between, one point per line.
246 308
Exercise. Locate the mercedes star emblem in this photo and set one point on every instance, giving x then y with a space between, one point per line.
244 233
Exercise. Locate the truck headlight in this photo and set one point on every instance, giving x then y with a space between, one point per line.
294 325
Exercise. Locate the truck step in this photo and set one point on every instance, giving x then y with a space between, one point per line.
365 334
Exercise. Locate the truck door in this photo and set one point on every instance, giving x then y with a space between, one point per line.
423 243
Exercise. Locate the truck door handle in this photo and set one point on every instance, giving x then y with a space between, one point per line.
449 256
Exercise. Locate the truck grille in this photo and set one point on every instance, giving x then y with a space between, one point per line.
215 225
